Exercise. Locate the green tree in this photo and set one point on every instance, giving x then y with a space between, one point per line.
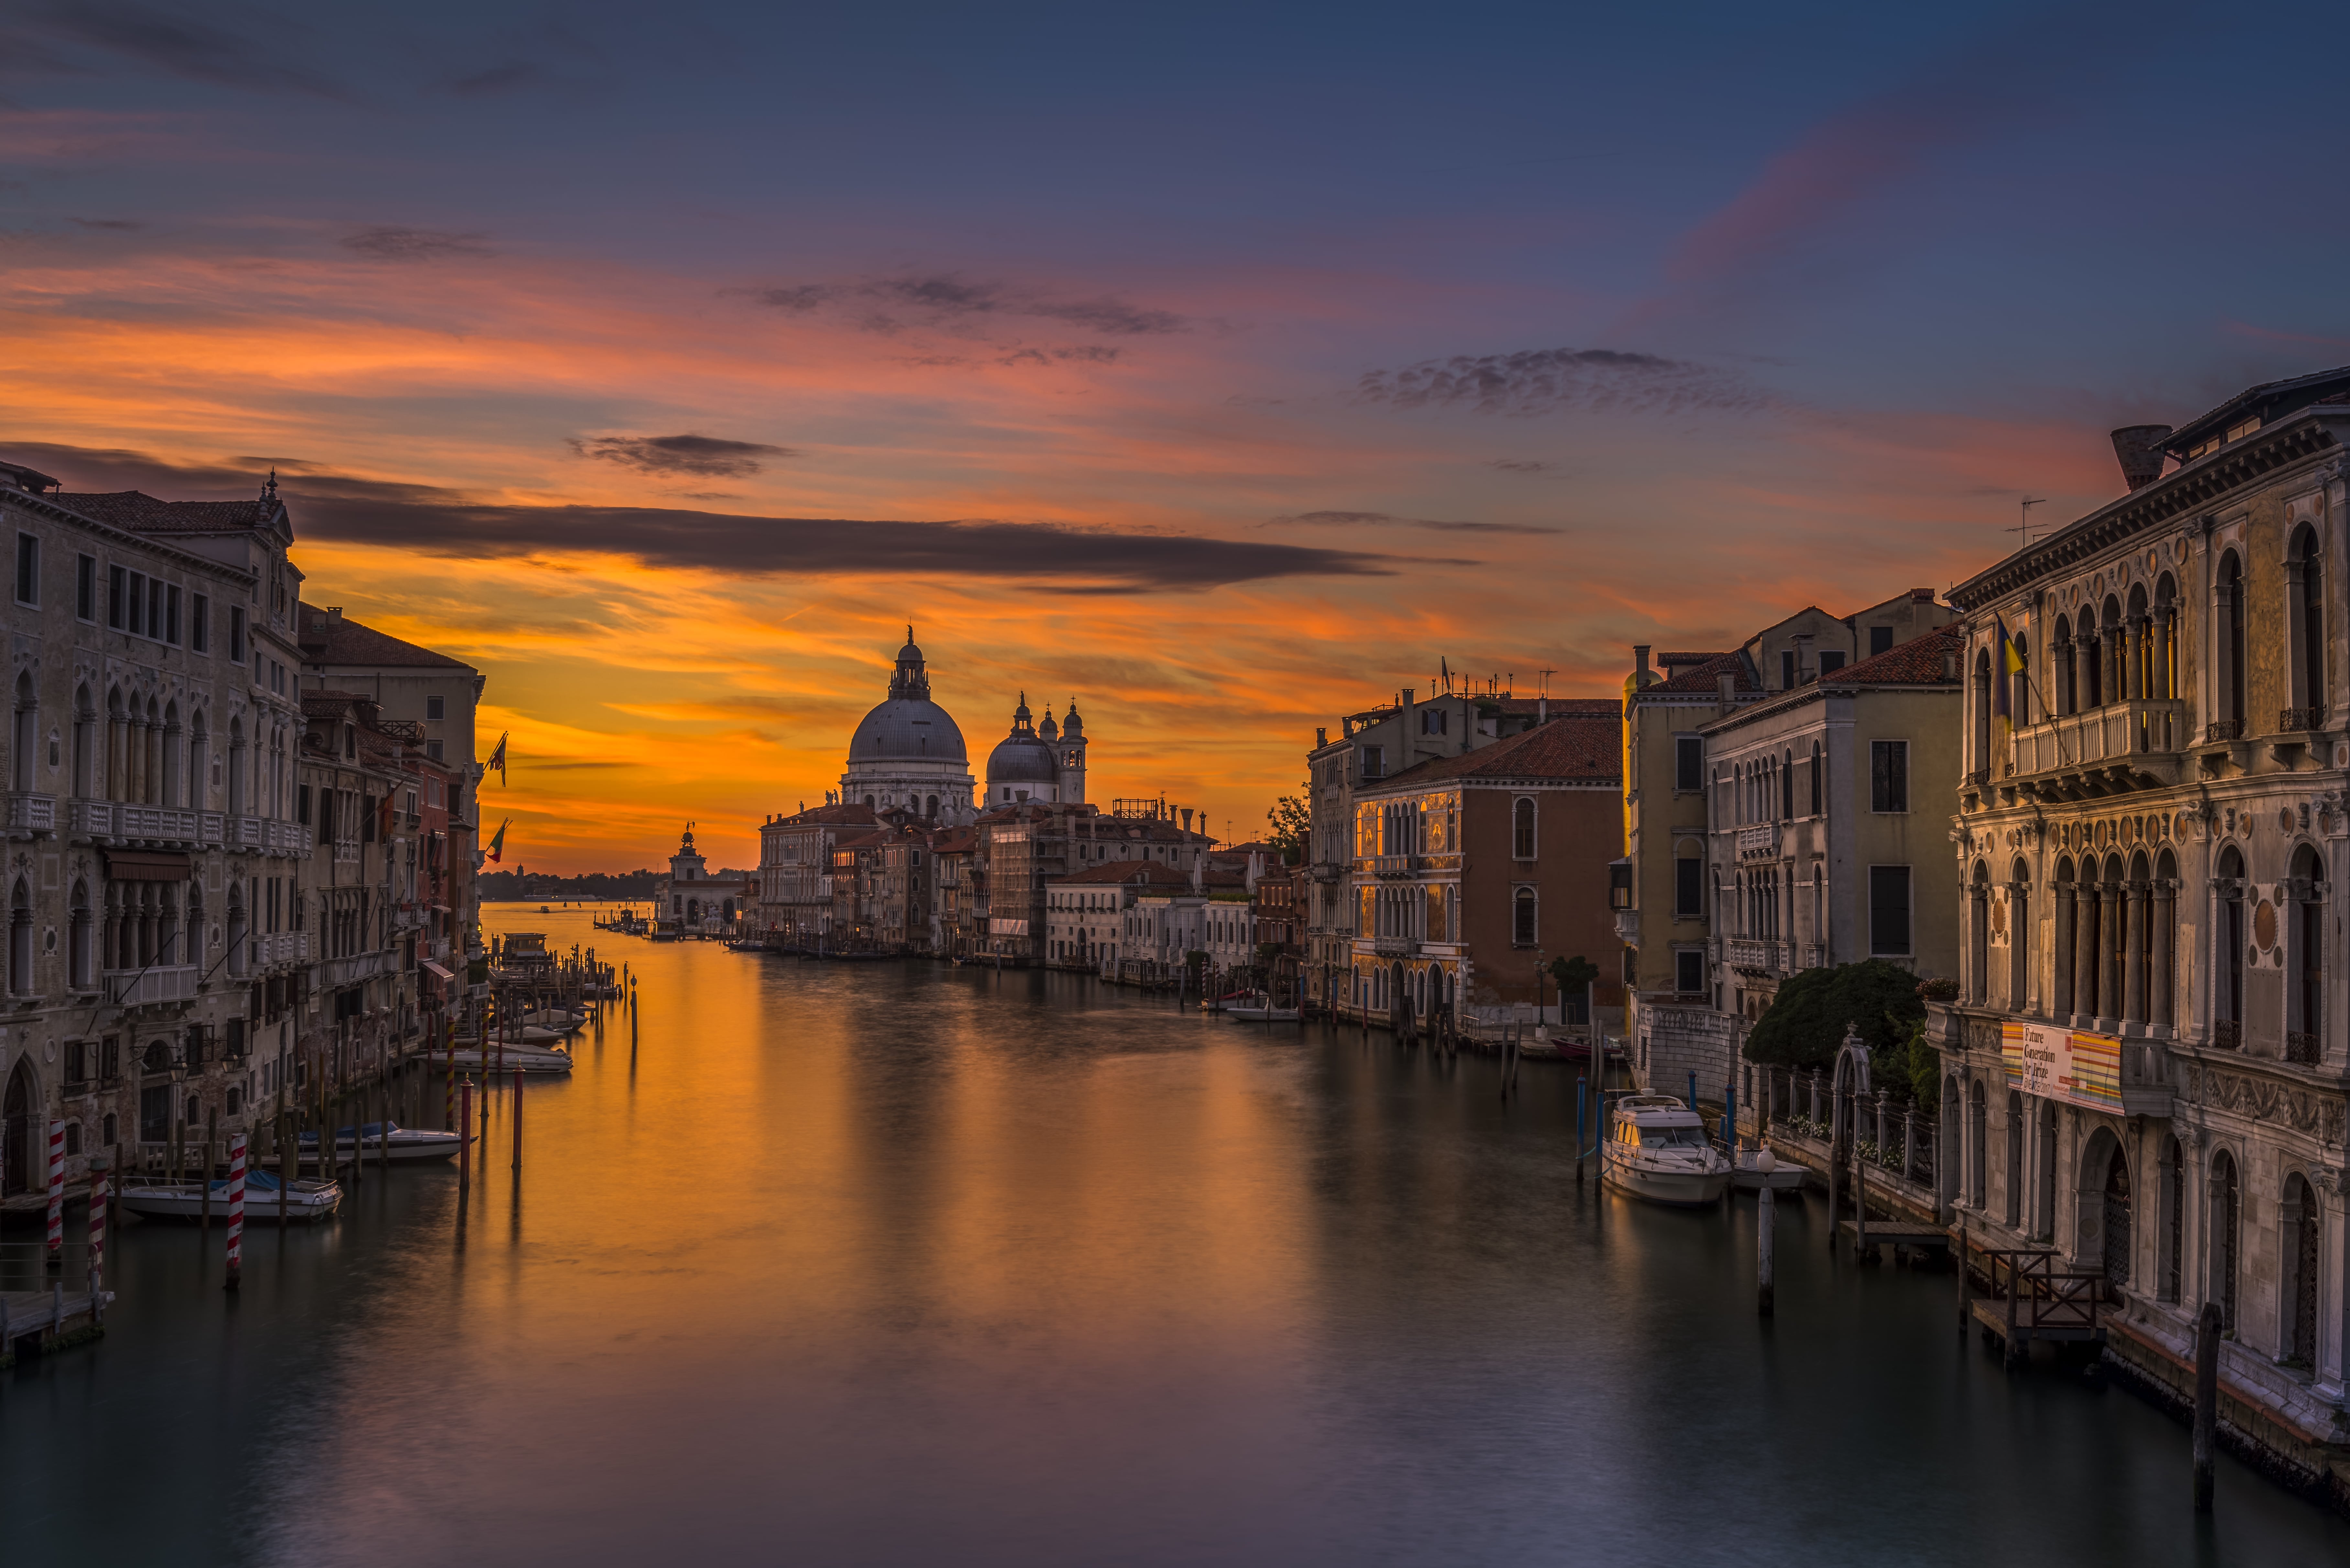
1808 1017
1290 822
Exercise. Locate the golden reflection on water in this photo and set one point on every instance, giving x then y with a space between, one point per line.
904 1263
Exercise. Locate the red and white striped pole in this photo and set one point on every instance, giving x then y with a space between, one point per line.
57 1194
235 1209
96 1238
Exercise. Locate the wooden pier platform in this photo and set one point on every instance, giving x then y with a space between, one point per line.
1993 1317
1901 1233
42 1322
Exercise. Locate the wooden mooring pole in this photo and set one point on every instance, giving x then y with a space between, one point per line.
2207 1401
465 1137
1765 1289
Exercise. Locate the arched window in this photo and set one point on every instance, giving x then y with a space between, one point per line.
2062 1001
2015 1160
2019 934
2304 1038
2171 1217
2227 647
1521 918
2228 976
20 939
1818 780
174 779
2227 1239
1522 828
236 779
1977 1136
238 927
1980 698
2305 621
1787 787
2137 641
25 737
1979 935
81 958
2298 1215
199 763
2166 639
2019 699
1820 916
85 741
2066 694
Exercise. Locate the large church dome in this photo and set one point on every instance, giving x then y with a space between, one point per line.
908 727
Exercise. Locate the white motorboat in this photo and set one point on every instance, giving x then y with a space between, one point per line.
531 1059
303 1201
555 1019
405 1145
1259 1009
1657 1149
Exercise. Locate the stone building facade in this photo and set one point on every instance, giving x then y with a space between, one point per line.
1824 846
2146 1069
1472 871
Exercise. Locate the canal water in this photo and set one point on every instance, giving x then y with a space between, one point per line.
876 1263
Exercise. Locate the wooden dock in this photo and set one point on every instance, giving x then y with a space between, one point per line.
1901 1233
42 1322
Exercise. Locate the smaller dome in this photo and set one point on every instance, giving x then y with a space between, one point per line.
1020 760
1048 730
1073 726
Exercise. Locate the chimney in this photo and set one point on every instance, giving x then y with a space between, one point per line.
1951 664
1726 686
1640 663
334 614
1187 817
1542 710
2140 447
1321 737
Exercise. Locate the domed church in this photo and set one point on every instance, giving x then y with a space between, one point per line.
908 753
1038 762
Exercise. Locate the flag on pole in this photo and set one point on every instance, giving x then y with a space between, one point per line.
498 840
498 758
2010 663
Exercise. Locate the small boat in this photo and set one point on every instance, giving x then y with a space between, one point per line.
303 1201
746 946
1657 1151
555 1019
407 1144
1259 1009
472 1059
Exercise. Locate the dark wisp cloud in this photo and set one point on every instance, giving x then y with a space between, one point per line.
708 457
886 305
1377 519
392 243
431 521
180 42
1556 380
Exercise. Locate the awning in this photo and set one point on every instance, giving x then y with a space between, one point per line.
146 865
433 967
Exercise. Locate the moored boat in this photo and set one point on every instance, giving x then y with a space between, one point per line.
406 1145
302 1200
1657 1149
1258 1008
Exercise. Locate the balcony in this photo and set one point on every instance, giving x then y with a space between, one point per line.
2300 721
280 947
1394 865
156 824
31 813
1744 954
158 983
2118 747
1760 842
1392 947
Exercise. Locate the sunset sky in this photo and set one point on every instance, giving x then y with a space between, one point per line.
1221 366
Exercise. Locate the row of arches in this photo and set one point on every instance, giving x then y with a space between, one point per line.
1767 789
2126 649
2112 1204
143 752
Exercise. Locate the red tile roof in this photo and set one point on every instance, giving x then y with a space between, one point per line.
338 639
1707 675
1917 662
143 514
1572 748
861 816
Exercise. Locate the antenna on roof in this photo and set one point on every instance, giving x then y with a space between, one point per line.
1543 674
2024 526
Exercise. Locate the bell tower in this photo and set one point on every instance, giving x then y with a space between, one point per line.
1069 755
